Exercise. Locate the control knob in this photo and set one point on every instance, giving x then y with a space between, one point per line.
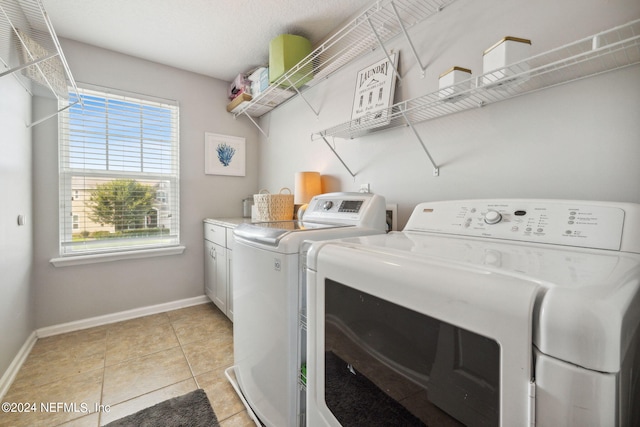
327 205
492 217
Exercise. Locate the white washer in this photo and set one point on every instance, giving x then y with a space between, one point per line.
481 312
269 348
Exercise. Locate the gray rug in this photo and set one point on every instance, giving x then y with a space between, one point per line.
191 410
372 408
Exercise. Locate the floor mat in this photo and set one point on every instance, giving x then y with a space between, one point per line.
356 401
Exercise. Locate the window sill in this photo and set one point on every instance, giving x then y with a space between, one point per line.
117 256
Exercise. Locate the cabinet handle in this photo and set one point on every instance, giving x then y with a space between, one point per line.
213 253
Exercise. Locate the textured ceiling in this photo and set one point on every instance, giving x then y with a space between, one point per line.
217 38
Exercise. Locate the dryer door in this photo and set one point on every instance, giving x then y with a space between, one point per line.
428 340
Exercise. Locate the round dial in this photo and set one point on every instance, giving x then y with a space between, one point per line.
492 217
327 205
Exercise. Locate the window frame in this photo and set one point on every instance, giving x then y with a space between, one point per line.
72 253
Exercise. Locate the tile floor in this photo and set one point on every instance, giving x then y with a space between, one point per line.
127 366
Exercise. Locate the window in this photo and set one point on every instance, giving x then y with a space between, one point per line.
119 174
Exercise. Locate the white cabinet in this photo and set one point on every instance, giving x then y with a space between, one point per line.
218 247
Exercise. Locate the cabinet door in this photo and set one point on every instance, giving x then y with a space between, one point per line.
229 284
209 270
215 274
220 282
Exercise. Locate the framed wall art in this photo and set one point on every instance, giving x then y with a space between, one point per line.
375 87
224 155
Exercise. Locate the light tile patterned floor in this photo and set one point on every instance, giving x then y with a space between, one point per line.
125 367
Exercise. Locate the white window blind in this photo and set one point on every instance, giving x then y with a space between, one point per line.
119 174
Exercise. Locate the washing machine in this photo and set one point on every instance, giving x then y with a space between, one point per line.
480 313
269 300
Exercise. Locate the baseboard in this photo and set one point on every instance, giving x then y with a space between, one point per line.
12 371
118 317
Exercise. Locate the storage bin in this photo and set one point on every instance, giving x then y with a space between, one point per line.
259 81
285 52
273 207
503 62
453 83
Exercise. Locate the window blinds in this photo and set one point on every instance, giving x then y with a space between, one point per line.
119 174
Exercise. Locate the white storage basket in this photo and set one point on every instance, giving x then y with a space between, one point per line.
273 207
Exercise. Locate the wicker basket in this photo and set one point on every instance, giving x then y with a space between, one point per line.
273 207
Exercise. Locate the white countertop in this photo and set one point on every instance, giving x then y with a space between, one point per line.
231 222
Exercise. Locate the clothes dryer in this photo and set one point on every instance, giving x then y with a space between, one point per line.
480 313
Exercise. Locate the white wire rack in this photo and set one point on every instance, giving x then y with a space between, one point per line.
609 50
30 50
381 22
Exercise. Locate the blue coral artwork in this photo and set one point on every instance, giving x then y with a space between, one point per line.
224 155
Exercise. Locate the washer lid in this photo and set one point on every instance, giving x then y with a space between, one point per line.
272 232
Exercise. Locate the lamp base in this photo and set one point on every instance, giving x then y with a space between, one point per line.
300 210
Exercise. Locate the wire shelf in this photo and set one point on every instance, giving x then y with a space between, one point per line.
378 24
30 50
609 50
302 319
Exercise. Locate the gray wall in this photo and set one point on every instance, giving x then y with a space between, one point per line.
72 293
577 141
17 315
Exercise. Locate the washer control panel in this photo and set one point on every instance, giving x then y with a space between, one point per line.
539 221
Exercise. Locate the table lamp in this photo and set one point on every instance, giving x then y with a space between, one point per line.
307 185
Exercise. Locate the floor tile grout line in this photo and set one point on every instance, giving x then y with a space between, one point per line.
145 355
195 379
183 352
104 349
46 356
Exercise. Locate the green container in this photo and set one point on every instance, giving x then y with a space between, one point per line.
285 52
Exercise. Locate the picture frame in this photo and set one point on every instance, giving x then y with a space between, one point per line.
374 92
224 155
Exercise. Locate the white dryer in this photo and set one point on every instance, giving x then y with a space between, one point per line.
480 313
269 303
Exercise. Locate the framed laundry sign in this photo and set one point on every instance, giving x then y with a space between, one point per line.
224 155
375 87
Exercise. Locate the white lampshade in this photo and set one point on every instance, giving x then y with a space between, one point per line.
308 184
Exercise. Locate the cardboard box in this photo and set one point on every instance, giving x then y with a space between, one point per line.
285 52
238 102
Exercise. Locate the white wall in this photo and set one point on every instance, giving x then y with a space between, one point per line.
67 294
580 140
17 317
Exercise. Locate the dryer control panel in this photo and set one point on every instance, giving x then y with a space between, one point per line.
361 209
539 221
